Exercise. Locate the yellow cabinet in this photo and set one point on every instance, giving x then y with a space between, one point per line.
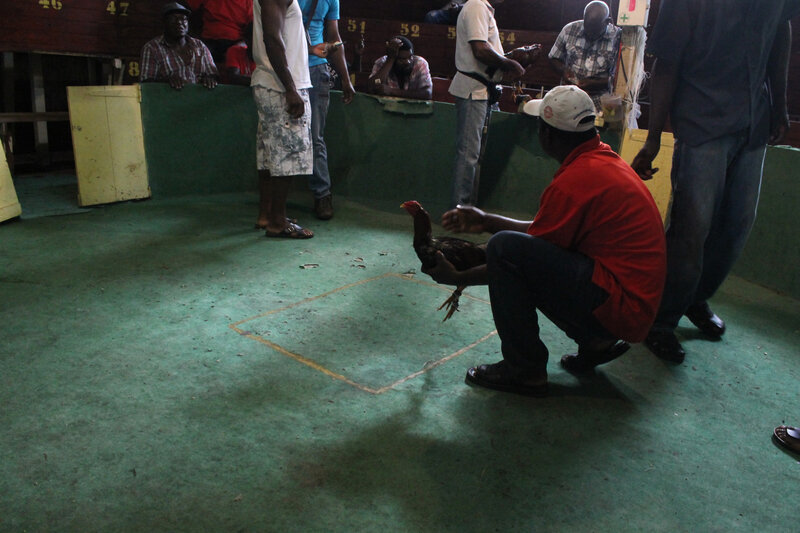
108 142
9 204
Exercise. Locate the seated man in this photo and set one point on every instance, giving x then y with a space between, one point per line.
175 57
585 52
592 260
447 14
401 73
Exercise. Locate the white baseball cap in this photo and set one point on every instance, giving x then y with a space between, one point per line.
566 108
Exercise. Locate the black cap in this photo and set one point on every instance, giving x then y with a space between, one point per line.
174 7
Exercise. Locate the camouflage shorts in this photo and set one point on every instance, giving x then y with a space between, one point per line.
284 143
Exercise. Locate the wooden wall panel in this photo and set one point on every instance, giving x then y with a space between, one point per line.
107 28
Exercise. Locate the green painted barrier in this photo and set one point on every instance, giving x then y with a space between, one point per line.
199 141
203 142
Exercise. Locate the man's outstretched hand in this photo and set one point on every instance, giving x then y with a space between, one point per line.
464 219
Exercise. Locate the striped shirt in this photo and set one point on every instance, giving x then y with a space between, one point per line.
587 59
160 61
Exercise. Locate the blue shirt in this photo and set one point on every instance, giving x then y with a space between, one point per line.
721 49
326 10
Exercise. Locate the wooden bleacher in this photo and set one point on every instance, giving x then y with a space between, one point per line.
436 43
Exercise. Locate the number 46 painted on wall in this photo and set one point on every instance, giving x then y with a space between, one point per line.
51 4
633 12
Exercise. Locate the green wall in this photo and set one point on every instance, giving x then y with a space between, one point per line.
772 254
203 142
199 141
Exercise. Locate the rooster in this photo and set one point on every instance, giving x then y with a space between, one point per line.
463 254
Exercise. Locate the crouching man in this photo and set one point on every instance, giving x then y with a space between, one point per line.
593 259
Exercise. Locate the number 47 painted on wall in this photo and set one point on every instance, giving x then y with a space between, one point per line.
118 8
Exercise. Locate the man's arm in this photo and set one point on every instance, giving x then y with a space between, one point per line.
148 69
484 53
336 58
777 75
445 273
473 220
209 76
662 91
557 65
381 75
273 15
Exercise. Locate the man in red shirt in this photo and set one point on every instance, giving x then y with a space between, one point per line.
223 23
593 260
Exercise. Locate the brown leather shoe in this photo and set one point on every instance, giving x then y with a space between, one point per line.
323 207
701 315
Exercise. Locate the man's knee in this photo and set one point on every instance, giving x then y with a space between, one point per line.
503 245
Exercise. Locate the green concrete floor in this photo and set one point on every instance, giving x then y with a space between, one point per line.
166 368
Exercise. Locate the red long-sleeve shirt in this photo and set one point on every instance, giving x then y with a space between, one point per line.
224 19
598 206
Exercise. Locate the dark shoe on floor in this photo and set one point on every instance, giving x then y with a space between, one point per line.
664 344
701 315
499 377
788 437
584 361
323 207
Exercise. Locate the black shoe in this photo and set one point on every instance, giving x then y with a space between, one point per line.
499 377
323 207
584 361
664 344
701 315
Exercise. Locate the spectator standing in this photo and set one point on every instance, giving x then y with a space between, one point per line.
480 63
281 83
321 17
223 23
174 57
400 72
720 76
585 52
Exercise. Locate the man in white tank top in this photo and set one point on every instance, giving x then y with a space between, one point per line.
280 87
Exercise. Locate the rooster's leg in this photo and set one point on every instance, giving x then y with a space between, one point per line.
452 302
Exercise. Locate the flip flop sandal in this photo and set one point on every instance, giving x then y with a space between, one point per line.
291 231
788 437
289 220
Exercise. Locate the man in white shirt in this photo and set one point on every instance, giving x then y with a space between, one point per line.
281 84
480 62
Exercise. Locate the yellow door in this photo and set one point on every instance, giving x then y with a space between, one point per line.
9 204
108 143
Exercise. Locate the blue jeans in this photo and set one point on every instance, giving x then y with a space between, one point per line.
470 117
320 94
527 273
715 190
